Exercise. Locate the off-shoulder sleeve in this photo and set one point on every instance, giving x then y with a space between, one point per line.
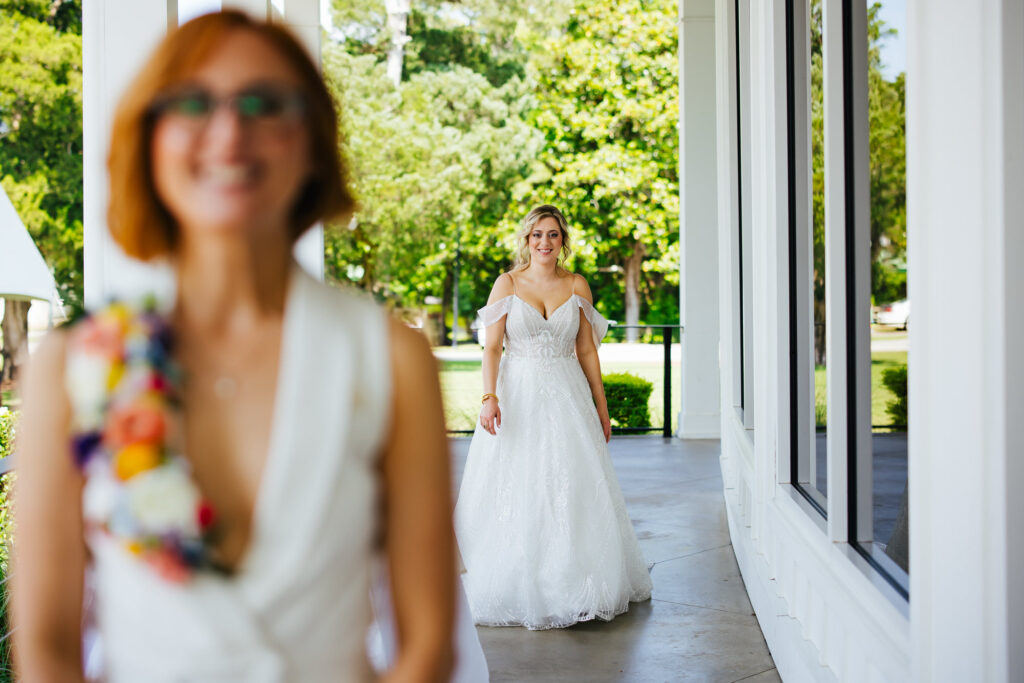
598 323
488 315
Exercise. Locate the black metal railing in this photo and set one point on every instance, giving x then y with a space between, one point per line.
667 337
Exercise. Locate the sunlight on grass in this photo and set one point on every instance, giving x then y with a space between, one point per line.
880 394
462 386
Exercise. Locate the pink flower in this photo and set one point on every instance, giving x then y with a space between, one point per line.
169 566
135 423
102 338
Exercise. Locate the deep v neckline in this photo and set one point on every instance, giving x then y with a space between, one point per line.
273 460
550 315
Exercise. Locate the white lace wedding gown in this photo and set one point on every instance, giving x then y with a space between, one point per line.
541 521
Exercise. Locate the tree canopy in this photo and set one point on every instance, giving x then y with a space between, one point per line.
41 129
501 108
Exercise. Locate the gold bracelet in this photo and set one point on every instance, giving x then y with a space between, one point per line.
487 396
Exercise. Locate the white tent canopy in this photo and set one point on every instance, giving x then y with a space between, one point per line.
23 272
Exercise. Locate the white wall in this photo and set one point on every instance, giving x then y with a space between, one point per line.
825 613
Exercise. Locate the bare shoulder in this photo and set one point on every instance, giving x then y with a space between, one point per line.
411 357
581 288
46 408
44 375
502 288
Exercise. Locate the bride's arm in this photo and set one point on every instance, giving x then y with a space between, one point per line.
490 412
48 559
418 512
586 352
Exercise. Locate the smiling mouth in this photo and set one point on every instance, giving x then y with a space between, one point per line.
229 174
544 251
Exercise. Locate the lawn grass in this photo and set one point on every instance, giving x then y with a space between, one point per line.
880 395
462 385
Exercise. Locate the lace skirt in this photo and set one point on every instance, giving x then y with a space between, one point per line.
541 521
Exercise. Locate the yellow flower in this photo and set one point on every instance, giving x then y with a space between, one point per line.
117 313
132 460
115 375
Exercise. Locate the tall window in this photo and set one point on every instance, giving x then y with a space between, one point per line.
848 308
888 542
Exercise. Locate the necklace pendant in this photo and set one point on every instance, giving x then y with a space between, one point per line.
225 388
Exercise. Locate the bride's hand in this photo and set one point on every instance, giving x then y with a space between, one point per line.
490 415
606 425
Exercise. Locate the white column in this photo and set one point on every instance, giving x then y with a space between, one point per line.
303 18
117 35
698 222
965 171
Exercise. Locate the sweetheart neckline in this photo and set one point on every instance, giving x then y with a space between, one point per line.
550 315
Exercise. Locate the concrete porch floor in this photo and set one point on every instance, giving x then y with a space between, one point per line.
698 626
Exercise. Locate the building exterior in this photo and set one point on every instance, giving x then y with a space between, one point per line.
804 502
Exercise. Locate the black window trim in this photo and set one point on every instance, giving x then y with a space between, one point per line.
739 207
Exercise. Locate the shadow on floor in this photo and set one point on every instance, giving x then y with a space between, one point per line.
699 625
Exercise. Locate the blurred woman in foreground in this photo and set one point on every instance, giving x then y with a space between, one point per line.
227 465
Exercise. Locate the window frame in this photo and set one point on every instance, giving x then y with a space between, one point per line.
848 507
802 438
743 390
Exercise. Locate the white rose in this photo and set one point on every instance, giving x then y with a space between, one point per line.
164 500
87 388
99 497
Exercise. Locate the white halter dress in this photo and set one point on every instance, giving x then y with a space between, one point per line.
298 607
541 521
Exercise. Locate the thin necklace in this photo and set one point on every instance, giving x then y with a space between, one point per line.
227 382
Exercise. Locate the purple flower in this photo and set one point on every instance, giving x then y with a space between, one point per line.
84 446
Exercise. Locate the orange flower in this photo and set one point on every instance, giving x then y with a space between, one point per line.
135 423
133 459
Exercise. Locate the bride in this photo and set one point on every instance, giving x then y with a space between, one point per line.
540 520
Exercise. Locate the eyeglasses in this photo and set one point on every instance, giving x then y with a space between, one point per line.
262 107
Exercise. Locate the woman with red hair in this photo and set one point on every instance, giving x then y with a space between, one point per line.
226 466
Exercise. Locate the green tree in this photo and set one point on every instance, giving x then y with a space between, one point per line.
41 129
608 92
887 150
433 162
41 145
887 116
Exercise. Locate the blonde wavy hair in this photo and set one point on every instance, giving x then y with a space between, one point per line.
538 213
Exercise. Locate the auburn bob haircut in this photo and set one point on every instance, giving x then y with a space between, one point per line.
137 218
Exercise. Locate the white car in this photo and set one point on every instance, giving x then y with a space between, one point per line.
896 314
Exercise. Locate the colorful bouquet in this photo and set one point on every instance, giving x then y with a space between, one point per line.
125 399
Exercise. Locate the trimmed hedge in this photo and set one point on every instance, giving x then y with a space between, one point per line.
895 380
6 432
628 396
7 419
